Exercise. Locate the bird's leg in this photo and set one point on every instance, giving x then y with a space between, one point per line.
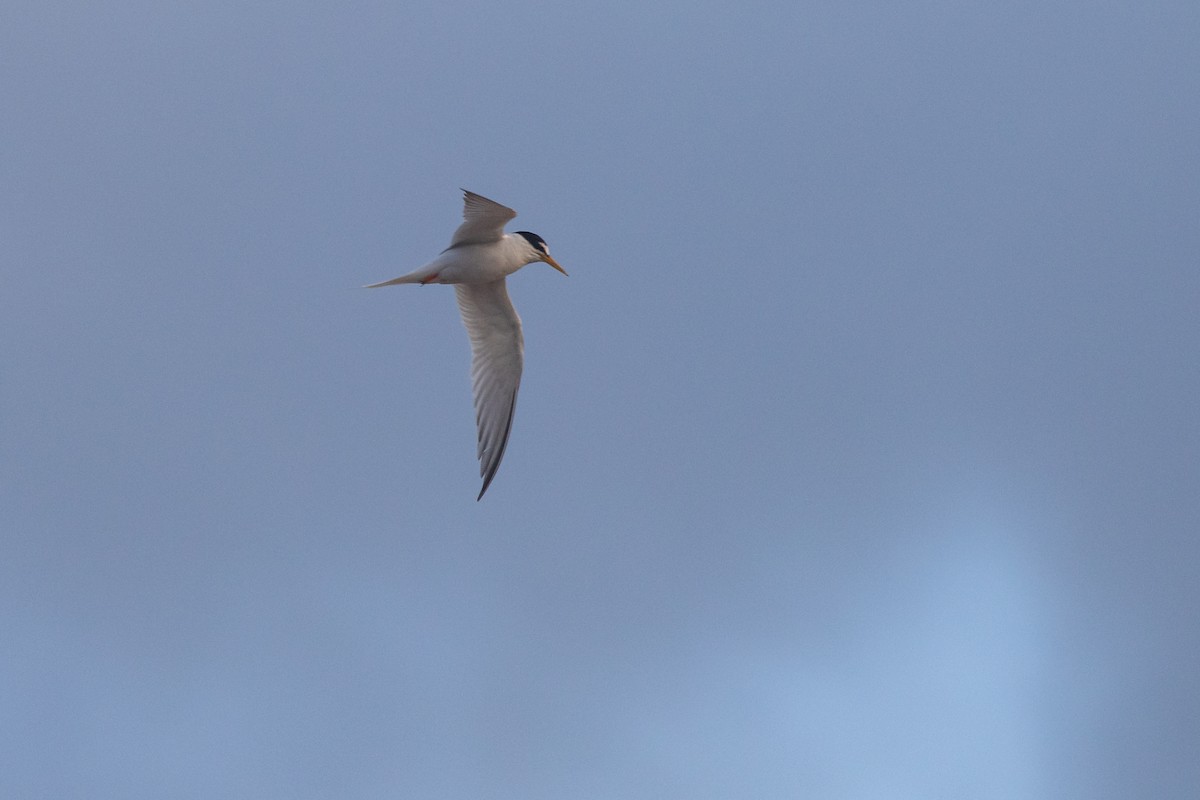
430 279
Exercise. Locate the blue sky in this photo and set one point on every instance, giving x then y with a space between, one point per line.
856 458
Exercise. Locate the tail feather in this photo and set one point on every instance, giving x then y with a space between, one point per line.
418 276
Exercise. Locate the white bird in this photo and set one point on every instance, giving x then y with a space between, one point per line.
480 256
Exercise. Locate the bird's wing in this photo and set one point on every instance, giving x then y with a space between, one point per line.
497 355
483 220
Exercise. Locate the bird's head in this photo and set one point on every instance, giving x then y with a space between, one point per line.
540 251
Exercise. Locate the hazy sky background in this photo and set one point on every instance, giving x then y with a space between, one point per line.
858 457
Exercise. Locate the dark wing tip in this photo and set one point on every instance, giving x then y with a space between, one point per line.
491 473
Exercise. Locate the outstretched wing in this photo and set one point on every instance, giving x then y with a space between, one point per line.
483 220
497 357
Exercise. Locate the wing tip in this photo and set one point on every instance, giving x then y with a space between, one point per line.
489 475
489 470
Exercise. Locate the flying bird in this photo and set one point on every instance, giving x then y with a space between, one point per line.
480 256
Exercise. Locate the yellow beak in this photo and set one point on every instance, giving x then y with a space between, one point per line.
553 263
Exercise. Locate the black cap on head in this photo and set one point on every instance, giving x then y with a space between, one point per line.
535 241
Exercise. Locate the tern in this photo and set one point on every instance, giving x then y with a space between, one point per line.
480 256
